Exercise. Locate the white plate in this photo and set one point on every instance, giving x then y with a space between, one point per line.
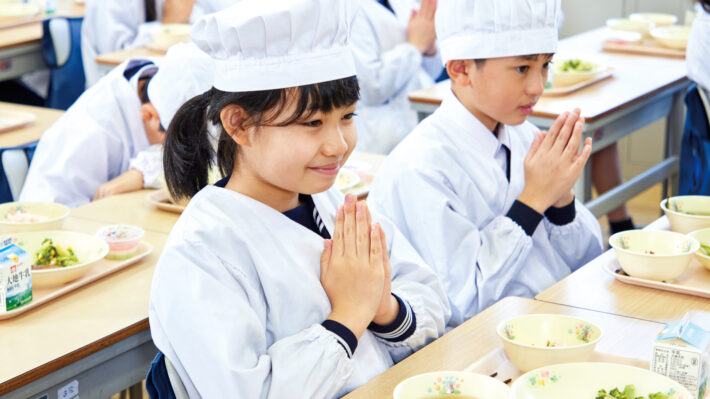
584 380
346 179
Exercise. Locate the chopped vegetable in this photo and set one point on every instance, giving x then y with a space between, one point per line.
576 65
629 392
705 249
51 255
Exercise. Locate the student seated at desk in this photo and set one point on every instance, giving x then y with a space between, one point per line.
101 145
270 286
395 53
111 25
483 195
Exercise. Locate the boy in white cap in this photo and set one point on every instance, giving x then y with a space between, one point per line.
484 197
102 144
269 286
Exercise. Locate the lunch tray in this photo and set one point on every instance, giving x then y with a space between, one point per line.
559 91
161 200
99 270
694 281
496 364
646 47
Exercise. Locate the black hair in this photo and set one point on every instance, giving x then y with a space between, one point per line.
188 153
705 4
532 57
143 88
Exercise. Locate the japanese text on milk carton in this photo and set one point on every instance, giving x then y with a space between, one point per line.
15 276
681 353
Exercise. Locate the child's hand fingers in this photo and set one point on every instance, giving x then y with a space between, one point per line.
581 160
349 228
338 232
572 148
375 247
554 130
385 254
564 134
363 230
539 136
325 259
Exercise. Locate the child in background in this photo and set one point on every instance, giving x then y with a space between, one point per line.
395 53
483 196
270 286
111 25
95 141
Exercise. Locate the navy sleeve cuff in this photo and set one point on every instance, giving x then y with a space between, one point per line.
561 216
345 337
525 216
401 328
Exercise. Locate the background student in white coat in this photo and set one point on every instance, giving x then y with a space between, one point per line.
97 147
698 53
395 53
484 196
269 286
112 25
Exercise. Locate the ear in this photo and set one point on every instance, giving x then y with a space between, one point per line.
233 117
459 71
150 116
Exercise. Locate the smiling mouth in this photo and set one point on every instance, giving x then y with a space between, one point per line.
328 170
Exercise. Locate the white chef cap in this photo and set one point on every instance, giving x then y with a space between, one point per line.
184 73
275 44
479 29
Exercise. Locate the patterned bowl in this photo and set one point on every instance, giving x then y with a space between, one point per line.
536 340
703 237
454 384
16 217
687 213
653 254
584 380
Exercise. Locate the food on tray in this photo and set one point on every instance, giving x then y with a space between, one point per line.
19 215
705 249
576 65
629 392
50 256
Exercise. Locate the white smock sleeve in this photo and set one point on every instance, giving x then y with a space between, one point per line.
150 163
227 341
477 265
574 234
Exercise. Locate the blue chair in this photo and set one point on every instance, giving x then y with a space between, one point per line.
61 48
14 163
163 381
695 145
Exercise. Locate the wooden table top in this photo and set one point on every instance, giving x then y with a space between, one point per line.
464 345
592 288
80 323
117 57
635 78
31 132
129 208
65 8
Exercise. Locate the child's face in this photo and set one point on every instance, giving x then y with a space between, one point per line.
303 157
506 89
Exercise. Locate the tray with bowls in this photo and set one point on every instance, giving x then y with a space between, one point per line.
648 34
89 264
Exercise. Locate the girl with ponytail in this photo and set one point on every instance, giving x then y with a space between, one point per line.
271 284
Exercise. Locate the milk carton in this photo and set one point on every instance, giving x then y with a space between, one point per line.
15 276
681 353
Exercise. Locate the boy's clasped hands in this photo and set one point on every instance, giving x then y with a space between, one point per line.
554 162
